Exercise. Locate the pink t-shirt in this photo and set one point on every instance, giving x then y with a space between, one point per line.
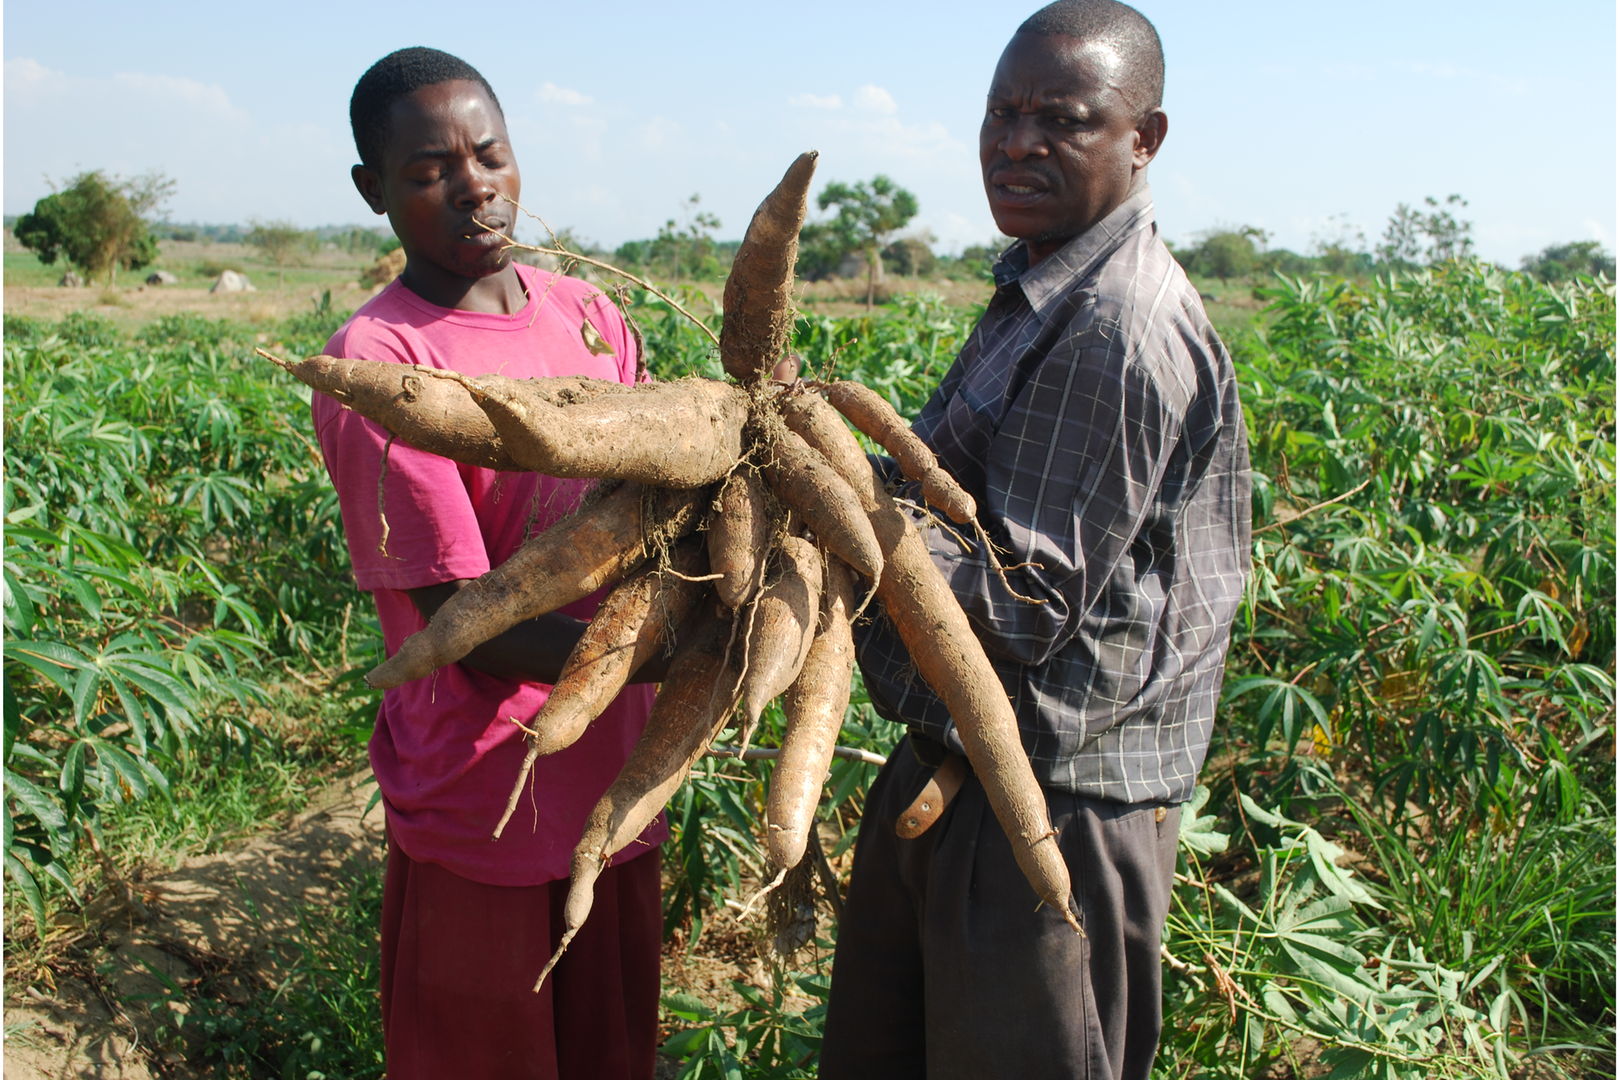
445 750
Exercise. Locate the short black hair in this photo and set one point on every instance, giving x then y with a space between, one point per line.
1116 24
401 72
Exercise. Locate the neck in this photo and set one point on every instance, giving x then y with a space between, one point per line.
500 293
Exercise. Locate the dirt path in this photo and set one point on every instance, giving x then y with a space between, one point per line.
211 913
226 914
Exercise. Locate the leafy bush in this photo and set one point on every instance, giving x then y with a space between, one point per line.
1293 953
1434 597
170 537
1424 670
95 223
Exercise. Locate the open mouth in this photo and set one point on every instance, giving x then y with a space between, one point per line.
1014 190
491 232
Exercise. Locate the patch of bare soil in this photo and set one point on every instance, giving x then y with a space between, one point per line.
224 917
841 297
130 306
212 914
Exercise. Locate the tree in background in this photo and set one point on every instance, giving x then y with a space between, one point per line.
1343 250
868 213
1562 262
357 239
282 242
689 250
911 256
682 251
97 223
821 251
1226 253
976 262
1423 238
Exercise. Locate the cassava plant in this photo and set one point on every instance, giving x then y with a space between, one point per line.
166 545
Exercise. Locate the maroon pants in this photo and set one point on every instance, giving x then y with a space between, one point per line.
459 959
945 970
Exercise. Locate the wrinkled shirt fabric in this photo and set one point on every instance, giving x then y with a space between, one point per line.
1094 416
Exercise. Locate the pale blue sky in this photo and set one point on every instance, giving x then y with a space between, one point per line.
1305 120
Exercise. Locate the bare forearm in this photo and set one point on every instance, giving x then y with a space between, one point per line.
532 651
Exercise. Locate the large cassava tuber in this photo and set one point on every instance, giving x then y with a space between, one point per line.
814 707
688 433
950 659
635 619
825 501
739 536
568 561
871 412
420 409
778 629
691 707
758 296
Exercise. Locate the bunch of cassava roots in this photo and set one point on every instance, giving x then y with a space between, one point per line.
737 523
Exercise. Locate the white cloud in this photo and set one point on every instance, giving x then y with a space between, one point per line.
816 101
874 127
552 94
23 73
31 87
188 92
875 99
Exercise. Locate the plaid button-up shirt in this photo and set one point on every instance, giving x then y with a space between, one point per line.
1094 415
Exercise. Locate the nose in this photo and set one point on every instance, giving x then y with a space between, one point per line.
1022 139
476 187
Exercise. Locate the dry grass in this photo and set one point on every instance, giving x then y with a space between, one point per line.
134 306
30 289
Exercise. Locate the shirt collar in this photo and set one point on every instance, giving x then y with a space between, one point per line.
1050 279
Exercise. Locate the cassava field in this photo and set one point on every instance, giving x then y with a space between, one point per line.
1400 863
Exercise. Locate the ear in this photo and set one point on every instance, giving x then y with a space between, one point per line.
369 185
1149 137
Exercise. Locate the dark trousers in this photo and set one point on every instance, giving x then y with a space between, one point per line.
945 969
459 959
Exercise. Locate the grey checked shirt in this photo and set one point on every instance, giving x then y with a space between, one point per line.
1094 415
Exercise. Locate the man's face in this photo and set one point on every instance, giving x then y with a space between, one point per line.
1061 144
446 171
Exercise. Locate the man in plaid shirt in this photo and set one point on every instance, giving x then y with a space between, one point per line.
1094 416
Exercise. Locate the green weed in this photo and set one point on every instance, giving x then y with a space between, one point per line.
315 1016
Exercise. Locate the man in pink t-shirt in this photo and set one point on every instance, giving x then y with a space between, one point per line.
468 921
